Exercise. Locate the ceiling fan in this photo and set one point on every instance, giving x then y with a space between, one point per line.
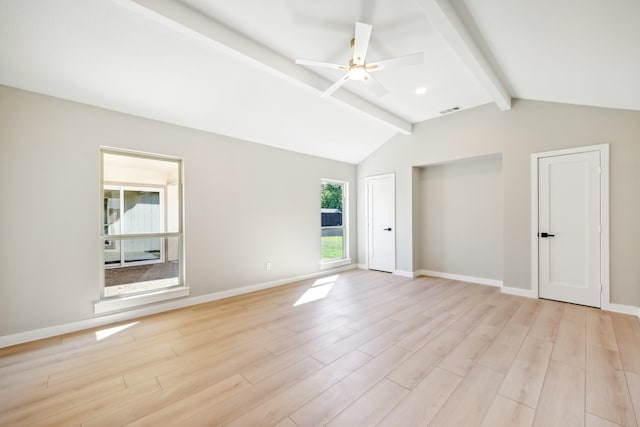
358 68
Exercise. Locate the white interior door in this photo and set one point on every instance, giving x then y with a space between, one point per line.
381 232
569 227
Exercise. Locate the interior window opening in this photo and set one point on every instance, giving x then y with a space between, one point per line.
142 232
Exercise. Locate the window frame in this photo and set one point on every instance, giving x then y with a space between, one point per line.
345 260
133 300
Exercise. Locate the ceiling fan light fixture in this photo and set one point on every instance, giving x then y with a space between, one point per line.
357 73
358 69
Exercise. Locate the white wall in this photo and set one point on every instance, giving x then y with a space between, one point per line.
245 204
460 216
529 127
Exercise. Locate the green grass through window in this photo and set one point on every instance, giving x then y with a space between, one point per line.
332 247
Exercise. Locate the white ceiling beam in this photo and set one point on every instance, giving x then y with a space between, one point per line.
446 21
182 18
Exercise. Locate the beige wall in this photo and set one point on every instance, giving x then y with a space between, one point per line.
245 204
528 127
460 217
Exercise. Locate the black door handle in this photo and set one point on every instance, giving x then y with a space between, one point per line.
387 229
546 235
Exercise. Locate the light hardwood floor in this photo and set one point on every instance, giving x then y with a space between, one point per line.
372 349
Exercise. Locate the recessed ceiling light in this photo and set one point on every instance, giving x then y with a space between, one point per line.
421 90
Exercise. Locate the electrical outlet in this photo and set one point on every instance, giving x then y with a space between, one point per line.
267 265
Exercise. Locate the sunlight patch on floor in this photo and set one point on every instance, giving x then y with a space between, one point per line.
105 333
319 290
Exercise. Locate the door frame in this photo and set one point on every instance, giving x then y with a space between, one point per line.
368 179
603 149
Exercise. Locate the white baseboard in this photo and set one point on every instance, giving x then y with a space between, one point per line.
52 331
471 279
618 308
621 308
403 273
363 266
528 293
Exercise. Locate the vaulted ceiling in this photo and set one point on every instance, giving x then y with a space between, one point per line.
228 66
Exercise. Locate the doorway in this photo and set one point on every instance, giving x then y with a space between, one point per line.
570 227
381 227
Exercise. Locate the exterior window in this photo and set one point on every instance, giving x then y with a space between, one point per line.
333 215
141 223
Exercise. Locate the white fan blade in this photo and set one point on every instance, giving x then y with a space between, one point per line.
322 64
375 86
361 43
401 61
335 86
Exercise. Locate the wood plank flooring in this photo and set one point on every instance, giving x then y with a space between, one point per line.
377 350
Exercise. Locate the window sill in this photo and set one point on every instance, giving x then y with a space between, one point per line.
326 265
116 304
